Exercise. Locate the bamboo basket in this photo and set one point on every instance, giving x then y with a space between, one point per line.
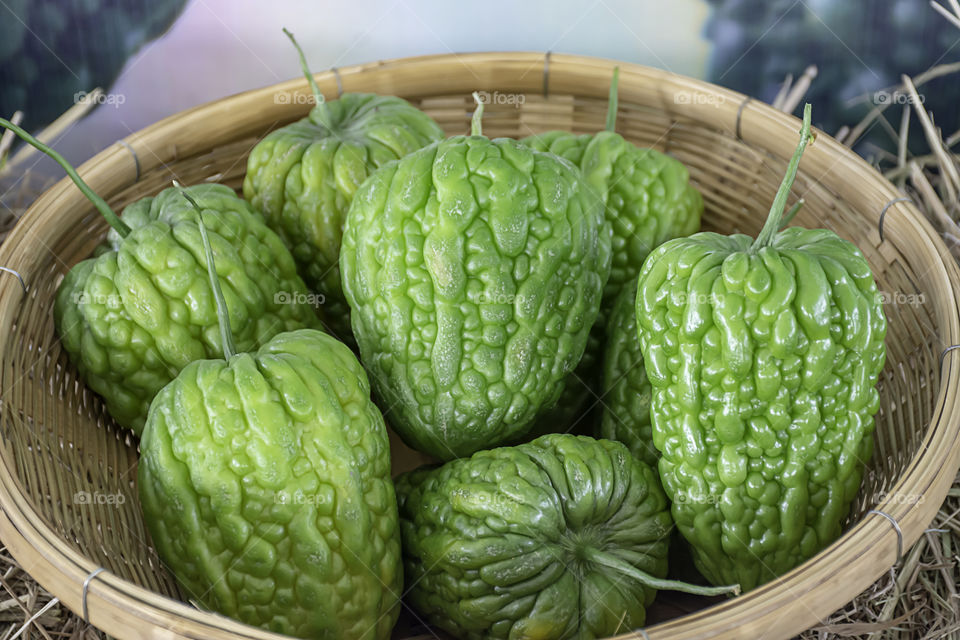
58 442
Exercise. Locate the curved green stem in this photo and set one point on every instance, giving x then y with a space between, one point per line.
476 125
625 568
775 217
790 214
112 218
612 100
223 316
321 111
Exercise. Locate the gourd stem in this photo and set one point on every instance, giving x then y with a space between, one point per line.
112 218
790 214
476 125
612 100
321 111
223 316
774 218
625 568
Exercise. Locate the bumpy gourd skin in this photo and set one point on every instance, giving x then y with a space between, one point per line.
626 390
474 270
648 199
763 364
579 403
569 146
647 195
265 483
302 177
494 544
136 314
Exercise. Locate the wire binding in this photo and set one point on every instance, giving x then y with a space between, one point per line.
336 76
86 588
883 213
740 109
546 74
136 158
943 353
24 284
896 527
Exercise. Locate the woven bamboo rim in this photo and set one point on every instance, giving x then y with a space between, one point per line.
57 440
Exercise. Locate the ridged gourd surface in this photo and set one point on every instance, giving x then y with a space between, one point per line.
494 544
142 309
474 270
764 366
265 483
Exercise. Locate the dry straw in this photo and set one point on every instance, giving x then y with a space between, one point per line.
58 443
917 598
